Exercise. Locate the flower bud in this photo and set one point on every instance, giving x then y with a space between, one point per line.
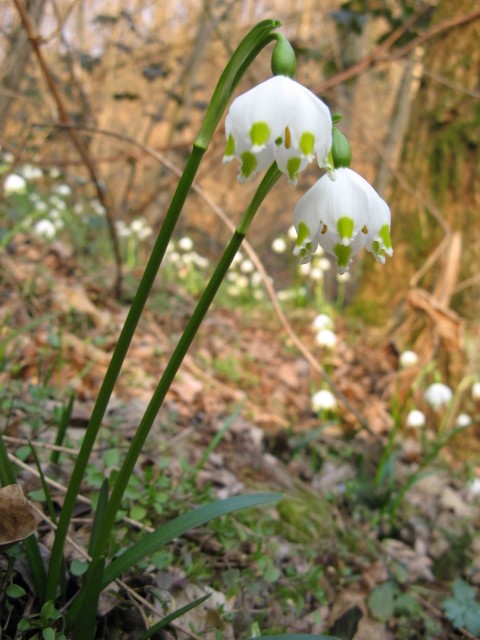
284 62
341 150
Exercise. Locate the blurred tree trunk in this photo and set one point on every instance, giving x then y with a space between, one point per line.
16 61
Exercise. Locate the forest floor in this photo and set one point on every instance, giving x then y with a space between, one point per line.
376 536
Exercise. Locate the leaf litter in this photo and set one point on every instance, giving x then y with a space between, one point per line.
242 366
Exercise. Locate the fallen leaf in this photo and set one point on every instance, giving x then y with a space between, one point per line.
17 517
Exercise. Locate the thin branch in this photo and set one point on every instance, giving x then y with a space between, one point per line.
383 55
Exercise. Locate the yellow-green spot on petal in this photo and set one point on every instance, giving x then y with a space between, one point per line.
288 138
303 234
259 134
345 227
343 254
230 148
384 234
249 163
293 165
307 142
377 248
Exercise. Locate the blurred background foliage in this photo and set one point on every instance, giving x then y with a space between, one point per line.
133 79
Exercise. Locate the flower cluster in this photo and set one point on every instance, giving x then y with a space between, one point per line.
282 121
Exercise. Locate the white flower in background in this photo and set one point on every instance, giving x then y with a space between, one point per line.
438 395
408 359
304 269
29 172
8 157
78 208
463 420
62 190
242 282
238 257
256 279
322 321
473 487
41 206
342 215
343 277
316 274
45 228
324 264
247 266
278 120
185 243
326 338
140 228
123 230
476 391
279 245
14 184
323 400
55 173
415 419
97 207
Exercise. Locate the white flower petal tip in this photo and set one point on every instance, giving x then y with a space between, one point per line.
438 395
277 120
343 216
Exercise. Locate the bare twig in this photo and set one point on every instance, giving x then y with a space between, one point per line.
383 54
102 195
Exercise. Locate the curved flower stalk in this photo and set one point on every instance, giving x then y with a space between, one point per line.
278 120
342 213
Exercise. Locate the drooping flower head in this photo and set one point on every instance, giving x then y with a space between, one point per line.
278 120
342 215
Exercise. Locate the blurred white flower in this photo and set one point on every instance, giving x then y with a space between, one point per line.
123 230
326 338
438 395
324 264
45 228
238 257
476 391
415 419
408 359
242 281
473 487
316 273
247 266
185 243
463 420
256 279
29 172
54 173
279 245
8 157
323 400
322 321
41 206
304 269
14 184
343 277
62 190
279 120
97 207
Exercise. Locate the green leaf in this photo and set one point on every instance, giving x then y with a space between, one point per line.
463 610
177 527
48 634
381 601
78 567
173 616
15 591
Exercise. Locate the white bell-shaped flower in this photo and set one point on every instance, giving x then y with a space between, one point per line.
278 120
342 213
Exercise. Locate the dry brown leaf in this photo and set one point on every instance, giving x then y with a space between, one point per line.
75 298
17 517
447 324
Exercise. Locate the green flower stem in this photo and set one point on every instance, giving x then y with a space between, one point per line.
270 178
250 46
